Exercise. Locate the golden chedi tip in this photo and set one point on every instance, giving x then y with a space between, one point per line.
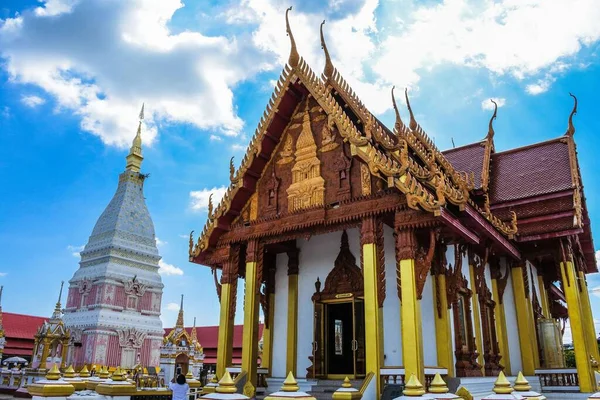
69 372
413 387
438 385
502 385
346 383
226 384
84 372
521 384
53 374
290 384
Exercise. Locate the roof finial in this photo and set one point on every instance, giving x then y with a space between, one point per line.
413 122
231 170
399 122
194 333
1 289
134 158
179 323
571 128
294 56
328 70
490 134
57 308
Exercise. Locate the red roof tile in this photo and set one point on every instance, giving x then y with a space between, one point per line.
469 159
534 170
21 326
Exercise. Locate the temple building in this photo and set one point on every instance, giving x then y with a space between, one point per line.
181 351
113 307
374 255
2 334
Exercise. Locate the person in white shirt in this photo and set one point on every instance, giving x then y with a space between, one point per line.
179 388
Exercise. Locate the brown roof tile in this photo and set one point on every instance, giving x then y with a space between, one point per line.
469 159
534 170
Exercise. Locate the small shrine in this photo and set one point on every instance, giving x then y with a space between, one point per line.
181 352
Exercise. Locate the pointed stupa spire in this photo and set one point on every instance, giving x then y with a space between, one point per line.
194 333
328 70
491 132
179 323
413 122
57 308
134 158
571 128
294 58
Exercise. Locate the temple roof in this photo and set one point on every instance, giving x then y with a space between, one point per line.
534 170
468 158
446 184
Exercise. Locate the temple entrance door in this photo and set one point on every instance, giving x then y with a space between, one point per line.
181 364
344 334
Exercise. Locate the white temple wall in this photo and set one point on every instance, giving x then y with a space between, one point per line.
428 328
514 347
280 317
317 257
392 330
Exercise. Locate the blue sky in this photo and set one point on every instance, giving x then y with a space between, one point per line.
73 75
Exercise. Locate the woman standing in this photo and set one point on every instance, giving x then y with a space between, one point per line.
179 388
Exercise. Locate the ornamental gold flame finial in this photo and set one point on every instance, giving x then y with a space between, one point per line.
231 170
294 56
328 70
399 122
210 207
490 134
571 128
134 158
413 122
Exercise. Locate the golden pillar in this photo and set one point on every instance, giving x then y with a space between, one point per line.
251 305
572 290
45 351
410 308
499 282
522 309
443 333
588 317
227 297
371 305
63 357
476 311
267 354
291 360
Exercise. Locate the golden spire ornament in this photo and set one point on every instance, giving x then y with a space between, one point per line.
294 58
179 323
413 387
134 158
439 389
523 388
289 390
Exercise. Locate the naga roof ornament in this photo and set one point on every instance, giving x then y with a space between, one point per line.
413 122
328 69
571 128
294 56
490 134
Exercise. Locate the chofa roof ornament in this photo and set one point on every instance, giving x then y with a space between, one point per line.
571 128
294 58
328 69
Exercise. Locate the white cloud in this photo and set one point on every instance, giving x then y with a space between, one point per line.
5 112
199 198
488 105
168 269
101 59
184 236
32 101
75 250
172 307
238 147
598 258
216 138
160 242
595 291
540 87
3 274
